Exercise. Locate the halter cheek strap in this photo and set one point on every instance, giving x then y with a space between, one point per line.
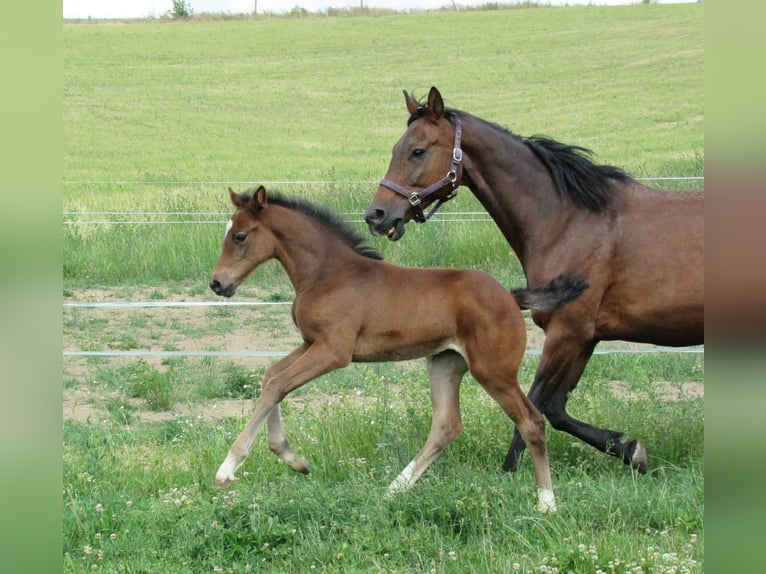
450 181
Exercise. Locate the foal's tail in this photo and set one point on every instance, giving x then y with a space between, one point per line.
559 291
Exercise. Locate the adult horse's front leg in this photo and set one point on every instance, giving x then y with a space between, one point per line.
308 363
561 366
445 370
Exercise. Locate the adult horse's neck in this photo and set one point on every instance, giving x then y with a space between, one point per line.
512 184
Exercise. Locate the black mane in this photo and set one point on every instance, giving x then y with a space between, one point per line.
586 183
326 217
577 177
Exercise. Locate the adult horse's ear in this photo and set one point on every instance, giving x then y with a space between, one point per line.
435 104
234 198
259 198
412 105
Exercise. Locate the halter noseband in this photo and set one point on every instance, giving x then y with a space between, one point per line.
450 180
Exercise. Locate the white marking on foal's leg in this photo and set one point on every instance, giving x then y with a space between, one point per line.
546 499
403 481
225 475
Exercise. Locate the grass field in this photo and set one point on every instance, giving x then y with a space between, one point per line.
216 103
159 117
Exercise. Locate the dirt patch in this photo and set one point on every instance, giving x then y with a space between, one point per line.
668 391
80 407
231 329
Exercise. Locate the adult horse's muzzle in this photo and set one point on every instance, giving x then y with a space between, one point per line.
381 223
223 285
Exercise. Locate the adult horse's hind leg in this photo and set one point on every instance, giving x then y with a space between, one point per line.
560 369
445 370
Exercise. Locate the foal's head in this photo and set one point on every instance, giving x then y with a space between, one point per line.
247 242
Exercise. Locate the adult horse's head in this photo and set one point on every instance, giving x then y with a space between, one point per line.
425 168
246 244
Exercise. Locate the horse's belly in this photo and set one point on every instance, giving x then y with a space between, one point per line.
393 348
677 327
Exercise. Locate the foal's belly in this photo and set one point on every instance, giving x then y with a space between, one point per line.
383 350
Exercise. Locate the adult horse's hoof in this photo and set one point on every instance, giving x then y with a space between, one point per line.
638 458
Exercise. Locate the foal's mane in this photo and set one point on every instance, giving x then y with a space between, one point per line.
326 217
587 184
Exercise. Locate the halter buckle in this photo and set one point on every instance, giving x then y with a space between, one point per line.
457 154
414 199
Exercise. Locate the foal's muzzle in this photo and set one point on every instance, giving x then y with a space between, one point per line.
223 287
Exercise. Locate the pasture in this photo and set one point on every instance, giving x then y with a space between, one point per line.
160 117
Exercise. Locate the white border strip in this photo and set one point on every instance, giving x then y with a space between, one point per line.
529 352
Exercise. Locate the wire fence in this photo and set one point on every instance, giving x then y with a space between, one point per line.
644 349
216 217
268 354
204 217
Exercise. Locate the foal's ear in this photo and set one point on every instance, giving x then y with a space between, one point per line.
435 104
234 198
412 105
259 198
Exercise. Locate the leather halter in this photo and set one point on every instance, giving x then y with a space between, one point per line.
450 180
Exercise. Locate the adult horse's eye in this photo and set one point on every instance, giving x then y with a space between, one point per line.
240 237
417 152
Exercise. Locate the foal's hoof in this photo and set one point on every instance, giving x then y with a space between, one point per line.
546 501
299 464
224 481
638 458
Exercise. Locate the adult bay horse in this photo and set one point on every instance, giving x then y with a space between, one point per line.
640 249
351 306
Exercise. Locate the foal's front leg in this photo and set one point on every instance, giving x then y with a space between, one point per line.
308 363
278 442
280 446
445 370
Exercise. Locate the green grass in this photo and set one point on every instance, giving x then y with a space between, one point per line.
147 105
320 98
142 493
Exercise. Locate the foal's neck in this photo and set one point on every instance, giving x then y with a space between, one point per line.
309 252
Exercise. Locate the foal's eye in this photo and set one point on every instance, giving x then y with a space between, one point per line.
417 152
240 237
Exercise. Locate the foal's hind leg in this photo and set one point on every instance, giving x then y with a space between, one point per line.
504 388
445 370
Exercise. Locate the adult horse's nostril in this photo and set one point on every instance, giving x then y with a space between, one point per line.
215 285
374 215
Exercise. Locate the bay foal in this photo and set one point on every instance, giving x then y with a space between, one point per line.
351 306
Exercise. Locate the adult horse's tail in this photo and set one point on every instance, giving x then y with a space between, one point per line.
559 291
